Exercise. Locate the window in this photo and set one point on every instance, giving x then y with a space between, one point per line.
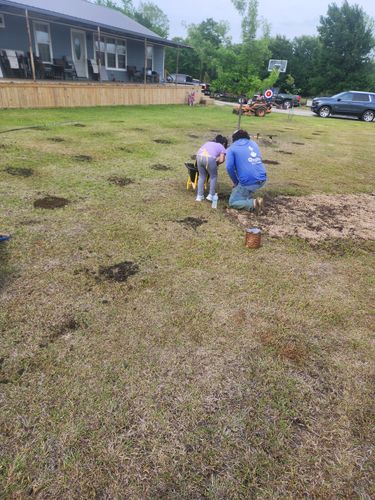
149 57
361 97
2 21
112 52
346 97
43 42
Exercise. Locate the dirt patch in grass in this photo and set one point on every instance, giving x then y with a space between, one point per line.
120 181
119 272
162 141
271 162
126 149
56 139
159 166
80 125
19 171
69 324
284 152
298 143
51 202
87 158
315 218
192 222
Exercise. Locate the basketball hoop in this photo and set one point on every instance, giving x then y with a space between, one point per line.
278 64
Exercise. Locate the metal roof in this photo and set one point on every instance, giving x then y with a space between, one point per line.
89 13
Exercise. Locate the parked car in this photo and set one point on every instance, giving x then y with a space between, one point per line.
286 100
181 78
360 104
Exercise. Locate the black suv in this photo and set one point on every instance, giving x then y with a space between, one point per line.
361 104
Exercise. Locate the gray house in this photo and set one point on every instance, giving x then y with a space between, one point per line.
75 39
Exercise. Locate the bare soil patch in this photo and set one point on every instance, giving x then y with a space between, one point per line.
271 162
119 272
87 158
192 222
120 181
315 218
51 202
162 141
68 325
159 166
284 152
56 139
19 171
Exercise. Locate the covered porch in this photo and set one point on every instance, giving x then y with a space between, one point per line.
36 45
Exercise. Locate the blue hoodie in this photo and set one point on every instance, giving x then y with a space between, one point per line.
244 163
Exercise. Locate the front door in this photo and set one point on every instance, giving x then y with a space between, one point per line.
79 52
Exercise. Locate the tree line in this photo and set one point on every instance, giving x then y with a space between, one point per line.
340 57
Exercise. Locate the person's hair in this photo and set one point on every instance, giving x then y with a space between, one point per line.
240 134
222 140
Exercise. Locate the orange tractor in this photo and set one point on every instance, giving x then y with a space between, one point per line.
259 108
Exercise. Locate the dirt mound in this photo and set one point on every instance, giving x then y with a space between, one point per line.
271 162
56 139
192 222
20 172
83 158
160 167
51 202
120 181
315 218
284 152
119 272
162 141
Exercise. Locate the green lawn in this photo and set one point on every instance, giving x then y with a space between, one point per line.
213 371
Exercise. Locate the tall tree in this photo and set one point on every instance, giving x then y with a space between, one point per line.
347 38
148 14
151 16
206 38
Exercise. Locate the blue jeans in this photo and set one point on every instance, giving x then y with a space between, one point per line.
241 196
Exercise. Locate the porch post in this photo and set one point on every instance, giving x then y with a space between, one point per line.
177 61
100 55
30 45
145 64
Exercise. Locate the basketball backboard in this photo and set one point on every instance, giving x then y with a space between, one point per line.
279 64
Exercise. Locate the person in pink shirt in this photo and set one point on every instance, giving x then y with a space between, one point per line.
209 156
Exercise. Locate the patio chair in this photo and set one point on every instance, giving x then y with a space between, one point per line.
59 67
93 69
69 69
10 64
131 70
23 64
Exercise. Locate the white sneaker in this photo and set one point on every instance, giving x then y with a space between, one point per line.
209 197
199 198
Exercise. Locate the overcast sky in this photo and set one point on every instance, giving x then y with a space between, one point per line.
288 17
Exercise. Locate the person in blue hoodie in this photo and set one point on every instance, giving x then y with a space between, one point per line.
247 172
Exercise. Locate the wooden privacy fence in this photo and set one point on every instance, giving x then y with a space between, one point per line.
26 94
